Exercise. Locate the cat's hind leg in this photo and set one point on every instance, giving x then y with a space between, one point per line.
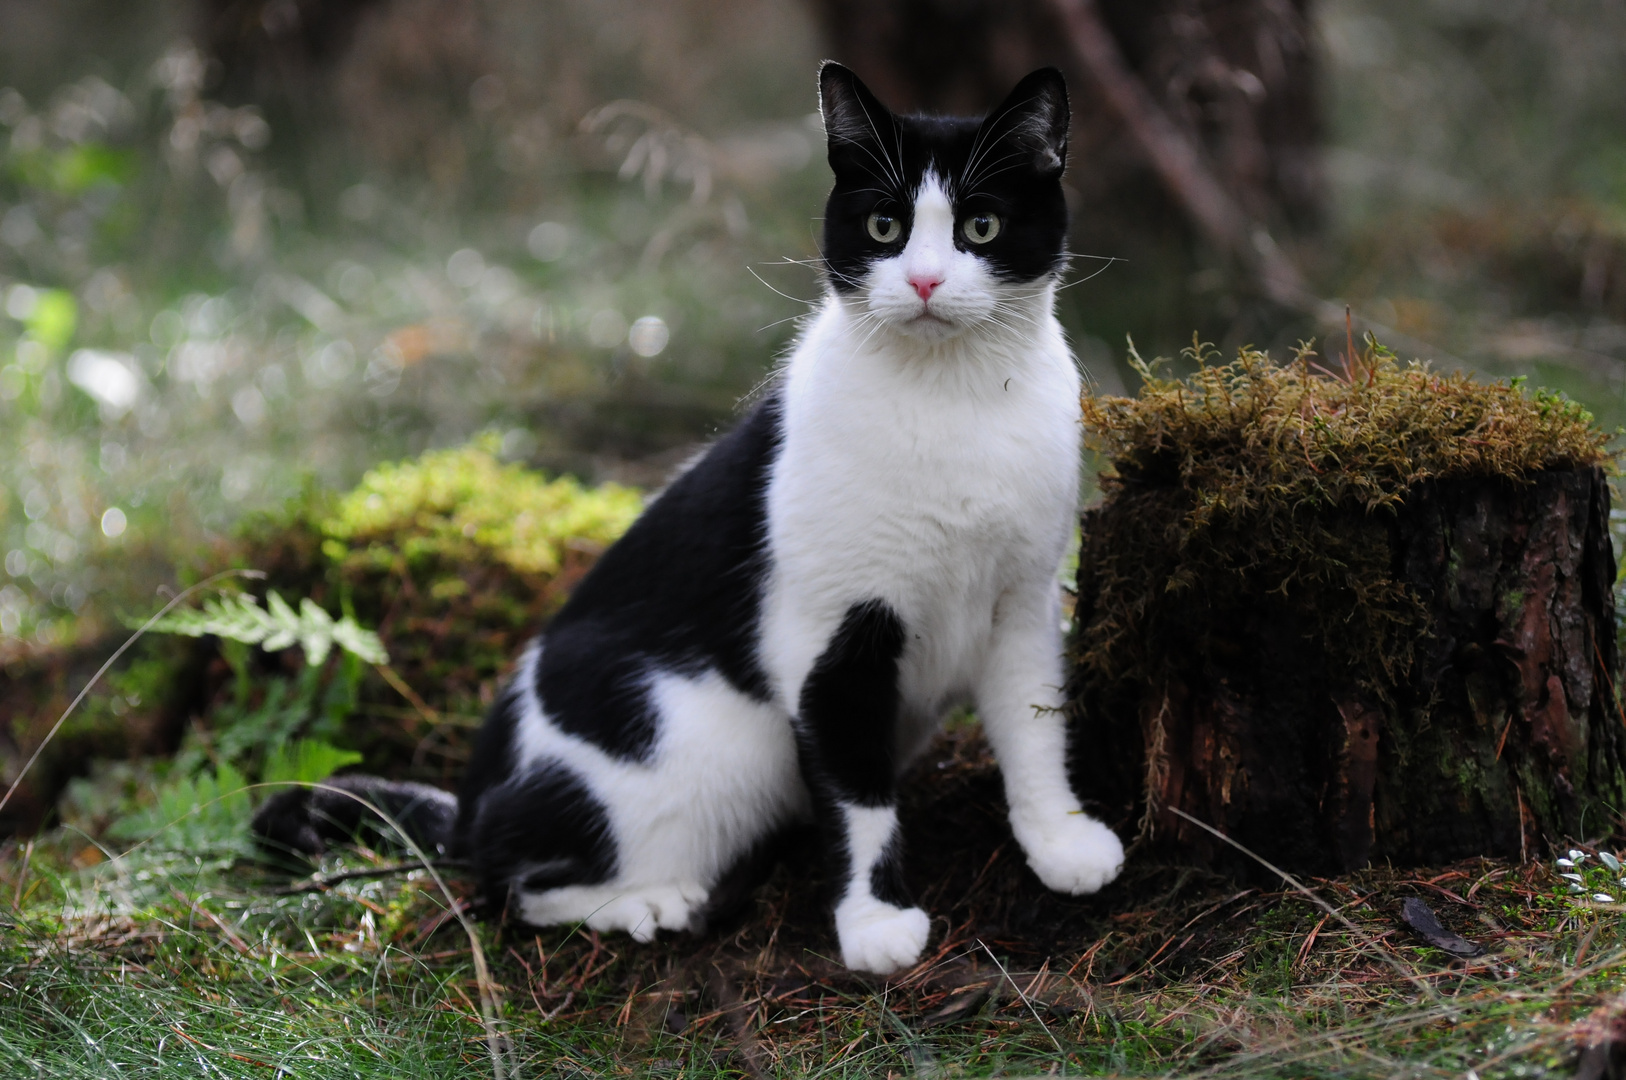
546 842
847 727
635 843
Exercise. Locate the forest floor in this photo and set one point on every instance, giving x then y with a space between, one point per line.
164 963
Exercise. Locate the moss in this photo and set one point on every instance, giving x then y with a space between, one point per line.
453 506
455 558
1251 478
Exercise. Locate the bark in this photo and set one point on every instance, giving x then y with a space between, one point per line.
1504 737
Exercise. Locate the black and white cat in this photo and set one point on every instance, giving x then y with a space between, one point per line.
784 628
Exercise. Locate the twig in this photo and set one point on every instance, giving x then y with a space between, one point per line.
400 686
1172 155
1185 174
1309 942
732 1007
1349 346
235 1057
22 876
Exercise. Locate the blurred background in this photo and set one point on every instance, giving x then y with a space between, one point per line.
250 248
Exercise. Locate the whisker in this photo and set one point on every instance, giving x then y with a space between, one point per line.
1094 273
983 173
781 322
752 271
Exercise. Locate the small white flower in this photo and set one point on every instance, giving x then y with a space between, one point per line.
1603 898
1566 862
1610 861
1577 855
1576 888
1570 877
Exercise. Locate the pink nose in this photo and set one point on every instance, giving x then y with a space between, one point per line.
925 285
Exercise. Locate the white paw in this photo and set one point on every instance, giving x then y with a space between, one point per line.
639 910
1071 853
878 937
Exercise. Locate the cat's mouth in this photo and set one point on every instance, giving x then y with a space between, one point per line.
928 317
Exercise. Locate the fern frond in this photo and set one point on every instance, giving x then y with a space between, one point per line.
239 617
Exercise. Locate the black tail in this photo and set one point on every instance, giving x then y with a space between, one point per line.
302 821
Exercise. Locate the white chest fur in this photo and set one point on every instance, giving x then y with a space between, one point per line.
936 476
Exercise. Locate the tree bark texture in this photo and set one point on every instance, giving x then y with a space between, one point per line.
1503 737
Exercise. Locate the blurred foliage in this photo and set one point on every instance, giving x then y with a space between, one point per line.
454 558
1478 170
214 303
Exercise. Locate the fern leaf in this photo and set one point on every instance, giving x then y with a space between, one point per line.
239 617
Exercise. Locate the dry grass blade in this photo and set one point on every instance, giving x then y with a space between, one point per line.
489 1004
1360 935
109 662
1024 998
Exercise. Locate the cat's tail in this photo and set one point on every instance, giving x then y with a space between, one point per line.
303 821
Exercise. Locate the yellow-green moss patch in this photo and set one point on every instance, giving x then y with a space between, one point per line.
458 504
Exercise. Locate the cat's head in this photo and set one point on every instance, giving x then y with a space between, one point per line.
935 223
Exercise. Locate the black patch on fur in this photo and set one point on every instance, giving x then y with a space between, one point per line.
490 764
1008 164
847 735
303 821
730 898
680 591
886 876
849 708
539 830
492 759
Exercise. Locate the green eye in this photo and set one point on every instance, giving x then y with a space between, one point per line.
884 227
981 229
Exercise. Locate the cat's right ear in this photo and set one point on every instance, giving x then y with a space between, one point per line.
859 130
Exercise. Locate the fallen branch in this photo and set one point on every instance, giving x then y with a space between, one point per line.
1176 160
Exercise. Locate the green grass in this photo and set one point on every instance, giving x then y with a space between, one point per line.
161 963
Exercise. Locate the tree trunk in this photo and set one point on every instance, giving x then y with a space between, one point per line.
1502 738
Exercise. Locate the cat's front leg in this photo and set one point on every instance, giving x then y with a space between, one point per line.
1020 699
847 730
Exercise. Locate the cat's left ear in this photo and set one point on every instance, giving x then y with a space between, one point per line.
1036 117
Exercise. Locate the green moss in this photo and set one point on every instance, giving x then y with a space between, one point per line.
462 504
1250 478
455 559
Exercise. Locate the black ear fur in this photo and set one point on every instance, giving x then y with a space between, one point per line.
858 128
1036 116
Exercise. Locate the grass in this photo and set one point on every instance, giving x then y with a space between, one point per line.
160 963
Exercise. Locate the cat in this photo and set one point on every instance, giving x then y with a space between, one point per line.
788 622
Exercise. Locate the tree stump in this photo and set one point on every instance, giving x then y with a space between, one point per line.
1497 730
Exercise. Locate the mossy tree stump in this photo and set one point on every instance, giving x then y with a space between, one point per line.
1346 620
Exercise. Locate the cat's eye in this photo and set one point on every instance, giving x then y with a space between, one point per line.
884 227
981 228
